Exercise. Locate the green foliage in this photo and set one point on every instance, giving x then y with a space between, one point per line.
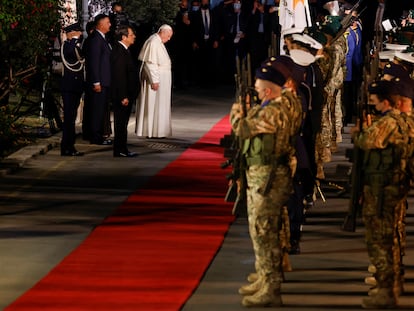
155 12
25 26
11 132
25 29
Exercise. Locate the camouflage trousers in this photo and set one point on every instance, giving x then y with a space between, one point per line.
265 217
399 243
378 212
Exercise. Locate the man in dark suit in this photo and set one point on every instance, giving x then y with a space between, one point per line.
205 35
258 34
234 43
124 88
98 75
72 86
87 113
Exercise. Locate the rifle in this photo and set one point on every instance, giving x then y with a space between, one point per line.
355 202
237 178
348 20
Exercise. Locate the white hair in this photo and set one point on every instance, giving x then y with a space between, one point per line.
165 27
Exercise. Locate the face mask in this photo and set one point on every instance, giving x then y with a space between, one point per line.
195 8
237 6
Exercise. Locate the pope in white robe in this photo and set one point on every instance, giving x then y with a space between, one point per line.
153 113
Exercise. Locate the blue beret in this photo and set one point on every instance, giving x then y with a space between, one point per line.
405 87
286 66
269 73
395 70
383 87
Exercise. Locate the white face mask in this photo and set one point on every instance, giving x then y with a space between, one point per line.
237 6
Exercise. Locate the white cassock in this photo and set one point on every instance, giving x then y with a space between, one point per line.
153 114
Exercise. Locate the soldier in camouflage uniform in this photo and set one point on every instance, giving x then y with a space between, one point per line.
333 67
386 154
268 150
403 99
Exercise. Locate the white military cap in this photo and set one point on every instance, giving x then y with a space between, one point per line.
396 47
405 57
301 57
387 55
306 39
291 31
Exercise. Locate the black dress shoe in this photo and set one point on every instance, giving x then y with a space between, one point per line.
125 154
106 142
73 153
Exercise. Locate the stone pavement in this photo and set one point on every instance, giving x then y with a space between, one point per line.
34 236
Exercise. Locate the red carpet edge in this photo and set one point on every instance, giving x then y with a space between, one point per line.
153 251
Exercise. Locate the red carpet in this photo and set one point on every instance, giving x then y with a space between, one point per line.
152 253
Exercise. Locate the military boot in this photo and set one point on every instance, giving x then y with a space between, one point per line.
267 296
286 266
398 286
252 288
252 277
370 280
373 291
383 299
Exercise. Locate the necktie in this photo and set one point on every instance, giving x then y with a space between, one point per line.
261 27
206 30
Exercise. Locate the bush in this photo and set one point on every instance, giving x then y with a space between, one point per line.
25 29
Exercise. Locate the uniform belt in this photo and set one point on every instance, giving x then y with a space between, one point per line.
267 160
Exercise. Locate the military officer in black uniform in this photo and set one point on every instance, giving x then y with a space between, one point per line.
72 86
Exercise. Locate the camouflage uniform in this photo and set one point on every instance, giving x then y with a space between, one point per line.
385 185
333 67
268 148
400 215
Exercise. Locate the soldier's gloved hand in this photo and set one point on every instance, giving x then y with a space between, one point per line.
237 110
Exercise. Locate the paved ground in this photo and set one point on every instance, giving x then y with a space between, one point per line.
50 204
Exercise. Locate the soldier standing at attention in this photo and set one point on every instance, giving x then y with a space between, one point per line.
268 150
385 144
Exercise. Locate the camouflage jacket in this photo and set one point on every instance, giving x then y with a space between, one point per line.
389 138
276 123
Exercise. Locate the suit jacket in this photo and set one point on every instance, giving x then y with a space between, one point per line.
231 22
125 78
253 25
198 27
98 63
